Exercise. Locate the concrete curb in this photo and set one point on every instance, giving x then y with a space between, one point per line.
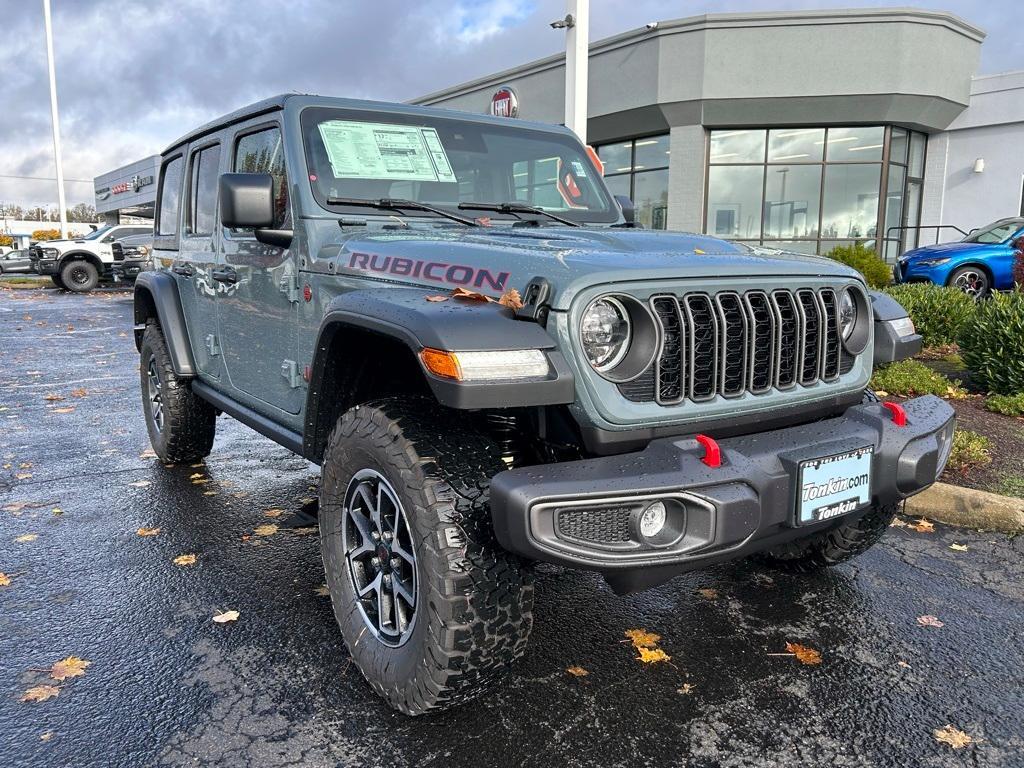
955 505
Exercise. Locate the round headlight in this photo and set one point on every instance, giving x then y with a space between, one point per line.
605 332
847 314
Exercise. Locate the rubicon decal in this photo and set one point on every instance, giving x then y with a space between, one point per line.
438 271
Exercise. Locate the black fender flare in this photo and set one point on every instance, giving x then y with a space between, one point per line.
89 256
888 346
156 295
454 325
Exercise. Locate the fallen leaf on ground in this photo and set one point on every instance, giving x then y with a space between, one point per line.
577 671
956 738
195 475
511 299
40 693
148 531
209 493
641 638
686 689
930 621
268 529
958 547
5 580
23 476
710 594
305 531
184 560
72 666
46 736
147 454
804 654
436 298
923 526
53 398
903 664
69 409
881 393
273 513
57 511
25 538
464 293
223 618
139 484
79 392
652 655
322 591
25 465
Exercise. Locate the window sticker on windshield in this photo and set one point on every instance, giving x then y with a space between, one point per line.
359 150
577 166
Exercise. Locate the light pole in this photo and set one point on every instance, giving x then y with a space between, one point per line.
61 204
577 58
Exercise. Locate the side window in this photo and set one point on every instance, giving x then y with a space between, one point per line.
170 198
203 191
262 152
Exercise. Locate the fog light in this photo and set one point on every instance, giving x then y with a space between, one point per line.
652 519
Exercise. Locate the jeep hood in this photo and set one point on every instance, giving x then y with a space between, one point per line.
491 260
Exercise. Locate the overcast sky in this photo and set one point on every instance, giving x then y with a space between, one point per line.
132 76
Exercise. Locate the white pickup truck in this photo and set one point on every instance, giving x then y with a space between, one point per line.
79 265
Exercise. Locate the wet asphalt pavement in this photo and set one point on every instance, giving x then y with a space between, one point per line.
168 686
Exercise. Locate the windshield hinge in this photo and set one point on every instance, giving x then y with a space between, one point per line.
536 301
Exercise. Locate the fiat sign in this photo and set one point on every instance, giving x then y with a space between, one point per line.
504 103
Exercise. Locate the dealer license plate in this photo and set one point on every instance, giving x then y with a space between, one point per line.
834 485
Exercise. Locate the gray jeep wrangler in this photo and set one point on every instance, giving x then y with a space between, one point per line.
656 402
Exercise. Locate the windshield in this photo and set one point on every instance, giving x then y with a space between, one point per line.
97 234
443 162
997 232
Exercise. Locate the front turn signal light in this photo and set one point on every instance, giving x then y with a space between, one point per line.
497 365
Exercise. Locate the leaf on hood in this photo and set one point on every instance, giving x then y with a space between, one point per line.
53 398
148 531
652 655
899 522
184 560
577 671
72 666
511 299
954 737
804 654
224 618
435 299
5 580
464 293
641 638
40 693
25 538
267 529
930 621
923 526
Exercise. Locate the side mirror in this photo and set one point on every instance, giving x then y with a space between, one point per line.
247 200
628 211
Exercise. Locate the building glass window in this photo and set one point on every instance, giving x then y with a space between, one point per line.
638 169
809 189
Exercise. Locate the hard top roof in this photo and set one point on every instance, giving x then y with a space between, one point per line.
278 102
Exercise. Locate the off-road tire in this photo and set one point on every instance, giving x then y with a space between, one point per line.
79 276
474 600
834 546
55 279
189 423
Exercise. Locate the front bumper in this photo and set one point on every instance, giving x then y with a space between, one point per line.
44 266
746 505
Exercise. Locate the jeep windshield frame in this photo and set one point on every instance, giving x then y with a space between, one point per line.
479 161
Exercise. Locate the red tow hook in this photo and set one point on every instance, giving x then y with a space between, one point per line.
712 453
899 416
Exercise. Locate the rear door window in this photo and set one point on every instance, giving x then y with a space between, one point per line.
203 178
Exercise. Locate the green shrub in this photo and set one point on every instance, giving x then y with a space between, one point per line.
908 378
938 312
1008 405
992 343
876 272
969 450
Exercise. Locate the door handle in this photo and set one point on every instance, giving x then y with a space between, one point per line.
185 270
225 275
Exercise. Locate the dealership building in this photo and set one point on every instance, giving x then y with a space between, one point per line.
800 130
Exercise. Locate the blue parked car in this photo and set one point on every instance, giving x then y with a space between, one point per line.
981 262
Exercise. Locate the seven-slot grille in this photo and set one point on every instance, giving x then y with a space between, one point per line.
730 343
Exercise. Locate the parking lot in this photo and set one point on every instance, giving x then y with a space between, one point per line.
166 685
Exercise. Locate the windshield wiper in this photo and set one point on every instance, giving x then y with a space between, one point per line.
514 208
396 204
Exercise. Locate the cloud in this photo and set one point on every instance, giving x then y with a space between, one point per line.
134 76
